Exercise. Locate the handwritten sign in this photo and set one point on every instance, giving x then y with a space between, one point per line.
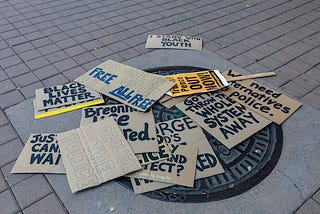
178 169
261 99
128 85
222 117
63 98
143 185
41 154
138 127
96 153
196 82
174 41
150 157
185 131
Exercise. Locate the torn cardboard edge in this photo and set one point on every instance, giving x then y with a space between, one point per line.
174 42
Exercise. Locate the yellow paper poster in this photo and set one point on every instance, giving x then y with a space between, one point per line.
196 82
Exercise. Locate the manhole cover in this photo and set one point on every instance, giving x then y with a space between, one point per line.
245 165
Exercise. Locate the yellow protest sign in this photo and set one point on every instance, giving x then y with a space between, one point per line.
196 82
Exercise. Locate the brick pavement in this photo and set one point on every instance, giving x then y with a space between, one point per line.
49 42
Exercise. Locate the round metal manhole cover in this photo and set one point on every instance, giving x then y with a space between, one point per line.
245 165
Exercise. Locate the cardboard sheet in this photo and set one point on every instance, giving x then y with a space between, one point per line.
225 119
179 169
62 95
185 131
138 127
261 99
173 101
41 154
196 82
142 185
96 153
163 153
174 41
128 85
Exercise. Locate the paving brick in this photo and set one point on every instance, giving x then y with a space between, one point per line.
7 86
17 70
29 55
55 80
306 82
57 56
242 61
129 53
13 179
3 75
45 50
28 29
309 207
294 90
4 53
10 151
29 91
9 61
10 99
31 190
316 196
23 47
84 58
25 79
101 52
49 205
46 72
312 99
8 203
91 45
41 42
92 64
37 63
73 73
3 183
10 134
65 64
51 31
58 37
3 119
66 43
314 73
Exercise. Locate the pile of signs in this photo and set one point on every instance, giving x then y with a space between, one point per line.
124 139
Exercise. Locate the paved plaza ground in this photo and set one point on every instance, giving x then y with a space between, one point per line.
51 42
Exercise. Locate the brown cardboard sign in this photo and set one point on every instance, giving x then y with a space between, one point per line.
174 41
179 169
185 131
261 99
138 127
150 157
143 185
128 85
196 82
96 153
222 117
61 95
41 154
173 101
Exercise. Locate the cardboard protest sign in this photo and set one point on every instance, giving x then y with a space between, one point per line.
222 117
64 98
142 185
261 99
173 101
173 41
138 127
128 85
185 131
41 154
150 157
179 169
96 153
196 82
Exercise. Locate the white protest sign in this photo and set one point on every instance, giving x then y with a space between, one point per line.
174 41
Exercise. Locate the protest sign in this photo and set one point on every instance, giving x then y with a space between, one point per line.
150 157
128 85
178 169
261 99
138 127
96 153
185 131
142 185
173 41
64 98
41 154
222 117
196 82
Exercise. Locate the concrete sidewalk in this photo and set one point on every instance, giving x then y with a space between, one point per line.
50 42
